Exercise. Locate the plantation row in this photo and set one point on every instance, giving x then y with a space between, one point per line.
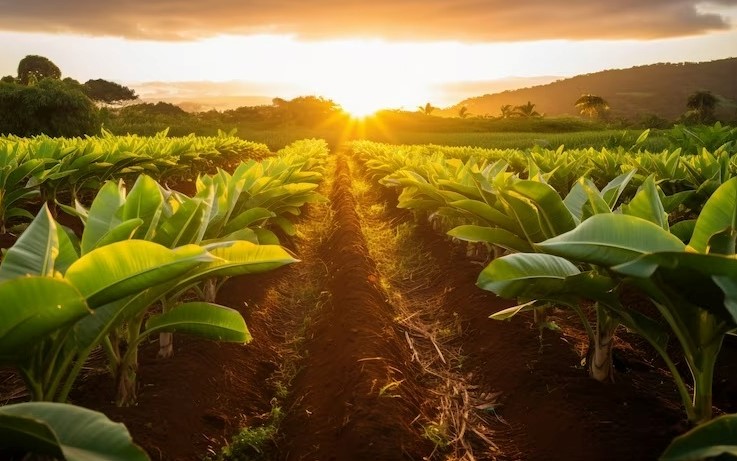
581 230
149 261
63 169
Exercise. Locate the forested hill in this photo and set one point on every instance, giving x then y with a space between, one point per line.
659 89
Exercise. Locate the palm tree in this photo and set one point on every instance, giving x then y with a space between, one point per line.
463 112
592 105
526 110
507 110
427 108
702 104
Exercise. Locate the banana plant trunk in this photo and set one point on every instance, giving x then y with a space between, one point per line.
127 371
210 290
601 364
166 345
166 340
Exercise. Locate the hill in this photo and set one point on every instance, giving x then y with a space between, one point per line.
658 89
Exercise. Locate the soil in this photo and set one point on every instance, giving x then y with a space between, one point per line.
353 390
345 405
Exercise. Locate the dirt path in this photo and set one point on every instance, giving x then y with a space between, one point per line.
347 403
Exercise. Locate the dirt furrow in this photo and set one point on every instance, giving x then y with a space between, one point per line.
353 398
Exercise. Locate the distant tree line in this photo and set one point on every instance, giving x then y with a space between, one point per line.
38 101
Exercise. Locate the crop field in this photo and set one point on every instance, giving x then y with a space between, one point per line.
369 301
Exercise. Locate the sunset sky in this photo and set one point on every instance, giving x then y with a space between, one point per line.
363 54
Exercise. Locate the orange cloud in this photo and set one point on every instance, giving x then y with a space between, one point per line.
465 20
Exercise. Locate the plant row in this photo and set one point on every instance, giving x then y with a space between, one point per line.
585 248
675 172
149 261
44 169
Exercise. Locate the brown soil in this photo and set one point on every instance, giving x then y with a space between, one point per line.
347 403
7 240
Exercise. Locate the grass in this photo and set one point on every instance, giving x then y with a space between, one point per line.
581 139
252 443
277 138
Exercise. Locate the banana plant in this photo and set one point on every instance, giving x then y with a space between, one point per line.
716 439
541 213
173 220
691 286
64 431
119 281
16 186
47 289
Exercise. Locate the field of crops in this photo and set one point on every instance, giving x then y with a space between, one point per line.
377 302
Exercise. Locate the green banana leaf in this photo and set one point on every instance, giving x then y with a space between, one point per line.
611 239
114 271
102 214
33 308
719 213
529 275
66 431
495 236
202 319
35 251
710 440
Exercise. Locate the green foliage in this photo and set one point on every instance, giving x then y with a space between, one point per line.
65 431
108 92
526 110
716 439
35 68
592 105
692 139
49 107
702 105
65 169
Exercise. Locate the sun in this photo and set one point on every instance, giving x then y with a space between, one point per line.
364 95
360 107
364 78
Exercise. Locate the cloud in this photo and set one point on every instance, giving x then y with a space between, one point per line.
464 20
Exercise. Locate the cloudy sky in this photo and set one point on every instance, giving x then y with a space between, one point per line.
389 52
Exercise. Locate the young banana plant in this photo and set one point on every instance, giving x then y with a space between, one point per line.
139 273
540 213
48 290
692 286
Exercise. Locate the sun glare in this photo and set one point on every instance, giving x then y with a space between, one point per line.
363 94
363 77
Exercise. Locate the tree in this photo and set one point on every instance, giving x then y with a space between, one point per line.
37 67
8 79
463 112
108 92
526 110
49 107
305 110
507 110
592 105
701 105
427 108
